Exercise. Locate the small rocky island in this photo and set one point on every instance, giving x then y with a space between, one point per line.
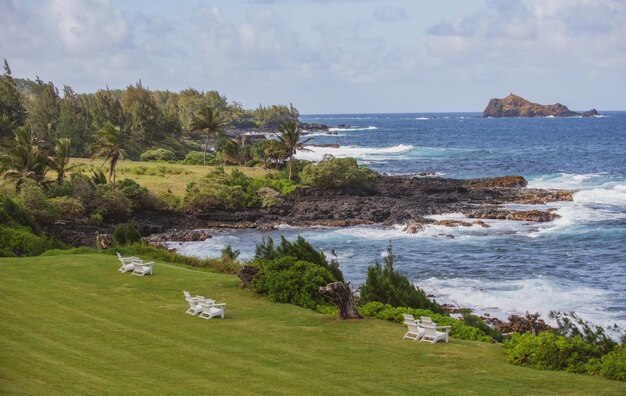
516 106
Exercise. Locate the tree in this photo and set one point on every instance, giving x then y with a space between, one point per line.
111 143
45 110
60 161
23 159
289 135
12 112
73 122
386 285
211 122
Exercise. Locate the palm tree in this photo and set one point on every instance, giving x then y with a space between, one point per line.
60 161
210 121
23 159
110 143
289 138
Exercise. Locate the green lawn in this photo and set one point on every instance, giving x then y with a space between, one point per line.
73 325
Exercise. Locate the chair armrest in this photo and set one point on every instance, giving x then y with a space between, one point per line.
446 328
219 305
150 264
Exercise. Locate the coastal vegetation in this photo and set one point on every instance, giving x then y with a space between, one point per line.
182 175
94 330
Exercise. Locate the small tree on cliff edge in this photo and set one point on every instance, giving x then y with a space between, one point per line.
384 284
289 135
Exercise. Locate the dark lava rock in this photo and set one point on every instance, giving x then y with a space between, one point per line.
516 106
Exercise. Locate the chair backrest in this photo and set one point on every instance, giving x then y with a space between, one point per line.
118 255
408 318
426 319
206 306
186 293
411 327
138 267
192 304
430 331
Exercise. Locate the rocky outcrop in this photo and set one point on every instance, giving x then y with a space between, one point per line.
539 216
500 181
536 196
312 127
178 236
516 106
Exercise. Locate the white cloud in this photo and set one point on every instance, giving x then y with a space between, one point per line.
537 35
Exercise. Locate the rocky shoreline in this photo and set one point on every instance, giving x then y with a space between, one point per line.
389 200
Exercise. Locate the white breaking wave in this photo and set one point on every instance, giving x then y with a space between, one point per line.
502 298
614 196
568 181
324 134
422 118
350 129
316 154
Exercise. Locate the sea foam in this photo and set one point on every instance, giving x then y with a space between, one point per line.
314 153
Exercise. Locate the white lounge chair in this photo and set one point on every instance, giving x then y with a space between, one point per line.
413 330
142 269
127 263
188 297
210 311
408 318
432 335
194 307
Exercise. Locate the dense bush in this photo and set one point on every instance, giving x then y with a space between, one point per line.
613 364
21 241
293 272
138 196
299 249
458 329
288 280
68 207
167 201
34 200
110 202
336 172
386 285
197 158
11 213
219 190
158 154
549 351
126 234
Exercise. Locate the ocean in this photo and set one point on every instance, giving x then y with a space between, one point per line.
575 263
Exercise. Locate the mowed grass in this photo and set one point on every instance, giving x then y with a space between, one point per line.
73 325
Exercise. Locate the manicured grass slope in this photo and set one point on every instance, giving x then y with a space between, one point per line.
72 324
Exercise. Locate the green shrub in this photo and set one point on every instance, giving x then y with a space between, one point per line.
138 196
288 280
126 234
197 158
158 154
34 200
12 213
230 253
549 351
68 207
21 241
299 249
613 364
219 190
458 329
110 202
336 172
386 285
167 201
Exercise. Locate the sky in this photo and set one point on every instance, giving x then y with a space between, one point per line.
330 56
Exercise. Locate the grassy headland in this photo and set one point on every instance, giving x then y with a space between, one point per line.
72 324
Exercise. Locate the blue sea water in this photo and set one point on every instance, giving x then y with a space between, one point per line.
577 262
